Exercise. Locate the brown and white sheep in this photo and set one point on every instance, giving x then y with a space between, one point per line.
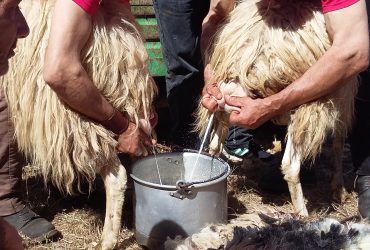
69 148
263 46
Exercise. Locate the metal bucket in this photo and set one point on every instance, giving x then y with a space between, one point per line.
180 205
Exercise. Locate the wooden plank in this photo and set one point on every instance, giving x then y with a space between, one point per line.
154 49
145 17
157 67
156 62
141 2
142 10
149 27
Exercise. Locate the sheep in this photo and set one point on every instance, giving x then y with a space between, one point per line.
263 46
251 232
71 149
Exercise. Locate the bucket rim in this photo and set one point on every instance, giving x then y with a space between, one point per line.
173 187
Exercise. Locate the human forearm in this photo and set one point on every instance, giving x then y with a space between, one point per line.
63 70
218 11
324 77
73 86
348 56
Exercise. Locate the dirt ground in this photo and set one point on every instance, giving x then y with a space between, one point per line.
253 187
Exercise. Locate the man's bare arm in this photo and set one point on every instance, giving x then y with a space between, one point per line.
218 10
348 56
63 71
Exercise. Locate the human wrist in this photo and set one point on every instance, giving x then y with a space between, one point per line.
272 105
118 122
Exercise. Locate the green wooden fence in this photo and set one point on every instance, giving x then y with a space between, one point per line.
144 13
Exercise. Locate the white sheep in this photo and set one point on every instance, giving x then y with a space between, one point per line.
264 46
69 148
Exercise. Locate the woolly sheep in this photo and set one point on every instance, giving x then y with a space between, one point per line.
252 232
263 46
69 148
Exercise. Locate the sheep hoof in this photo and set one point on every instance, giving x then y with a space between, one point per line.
303 212
102 246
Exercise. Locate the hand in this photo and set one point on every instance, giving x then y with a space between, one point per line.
211 93
252 114
134 141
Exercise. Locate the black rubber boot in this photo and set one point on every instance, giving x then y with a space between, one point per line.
31 225
363 187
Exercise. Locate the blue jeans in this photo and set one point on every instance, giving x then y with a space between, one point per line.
180 26
360 135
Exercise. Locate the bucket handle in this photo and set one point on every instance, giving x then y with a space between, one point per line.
183 185
184 189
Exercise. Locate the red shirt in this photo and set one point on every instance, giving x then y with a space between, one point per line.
332 5
90 6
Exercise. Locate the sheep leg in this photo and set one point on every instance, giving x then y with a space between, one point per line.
215 146
115 180
339 193
290 168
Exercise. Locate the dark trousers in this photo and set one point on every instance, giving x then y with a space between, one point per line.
10 164
237 137
180 25
360 135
